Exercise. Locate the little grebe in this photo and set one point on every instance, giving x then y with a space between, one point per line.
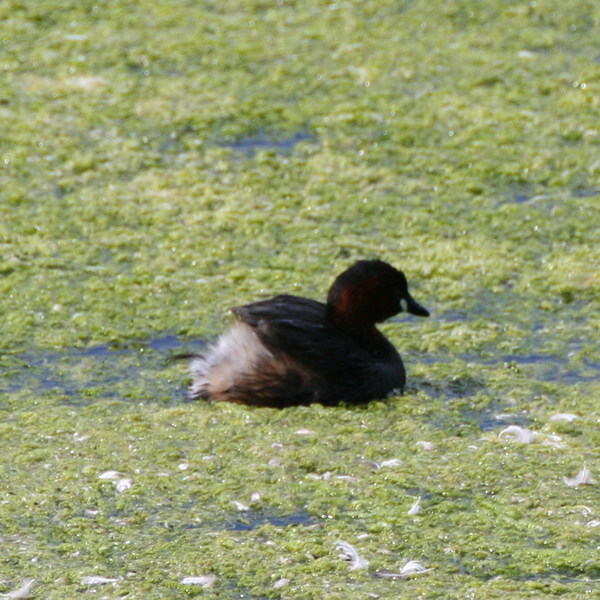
290 351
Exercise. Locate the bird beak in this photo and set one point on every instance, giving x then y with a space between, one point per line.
409 305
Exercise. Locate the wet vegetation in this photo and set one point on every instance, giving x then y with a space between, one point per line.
162 161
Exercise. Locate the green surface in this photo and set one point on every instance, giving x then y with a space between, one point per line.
164 161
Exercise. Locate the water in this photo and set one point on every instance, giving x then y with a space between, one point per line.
280 145
81 375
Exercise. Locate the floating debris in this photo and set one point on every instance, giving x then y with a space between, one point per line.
415 509
527 436
75 37
569 417
519 434
392 462
87 83
97 580
281 583
594 523
111 475
412 567
123 485
23 592
551 439
122 482
425 445
350 553
328 476
584 477
206 581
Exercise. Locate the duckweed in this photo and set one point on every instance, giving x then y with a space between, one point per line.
162 161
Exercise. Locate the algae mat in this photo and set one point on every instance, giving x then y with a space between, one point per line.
163 161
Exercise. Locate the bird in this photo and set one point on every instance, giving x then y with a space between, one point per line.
294 351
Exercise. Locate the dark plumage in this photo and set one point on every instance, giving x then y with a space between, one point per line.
292 351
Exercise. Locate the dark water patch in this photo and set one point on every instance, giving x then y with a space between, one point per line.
167 342
516 193
254 520
100 351
490 420
454 316
80 376
521 197
485 414
547 579
544 204
526 195
586 192
501 307
550 344
140 369
550 367
281 145
464 385
453 387
170 145
474 390
251 520
446 385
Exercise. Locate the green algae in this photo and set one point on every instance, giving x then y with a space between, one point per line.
163 161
